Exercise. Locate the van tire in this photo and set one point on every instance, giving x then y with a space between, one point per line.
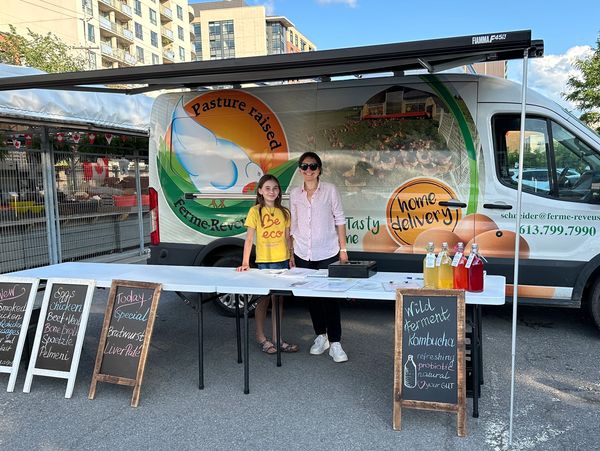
594 303
225 303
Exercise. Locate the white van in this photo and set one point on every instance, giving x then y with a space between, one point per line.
416 159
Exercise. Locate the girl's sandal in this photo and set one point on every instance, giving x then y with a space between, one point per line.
267 347
286 347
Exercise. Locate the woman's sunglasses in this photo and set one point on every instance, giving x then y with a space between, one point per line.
305 166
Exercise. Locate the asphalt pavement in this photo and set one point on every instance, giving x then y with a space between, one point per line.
311 402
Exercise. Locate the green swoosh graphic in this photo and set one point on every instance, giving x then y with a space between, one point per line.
454 107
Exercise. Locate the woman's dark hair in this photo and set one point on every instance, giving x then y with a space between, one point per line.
312 155
260 200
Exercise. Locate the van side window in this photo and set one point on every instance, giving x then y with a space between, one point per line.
556 163
536 168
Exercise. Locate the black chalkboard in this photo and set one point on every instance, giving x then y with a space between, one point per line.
126 334
61 326
429 349
60 331
14 298
429 356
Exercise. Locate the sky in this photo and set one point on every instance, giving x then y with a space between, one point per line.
569 29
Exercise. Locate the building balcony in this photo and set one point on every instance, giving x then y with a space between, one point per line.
191 13
123 57
112 29
167 35
122 10
166 14
192 33
168 56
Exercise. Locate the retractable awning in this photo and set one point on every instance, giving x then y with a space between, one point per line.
434 55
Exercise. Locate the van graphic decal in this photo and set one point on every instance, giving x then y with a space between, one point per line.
220 143
466 125
413 209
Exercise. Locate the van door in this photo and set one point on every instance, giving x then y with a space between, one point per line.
560 209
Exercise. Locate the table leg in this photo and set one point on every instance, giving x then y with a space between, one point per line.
246 349
277 327
238 333
200 345
476 356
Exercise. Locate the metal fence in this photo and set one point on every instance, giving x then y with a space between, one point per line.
59 204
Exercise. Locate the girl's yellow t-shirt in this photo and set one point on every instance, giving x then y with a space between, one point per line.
271 244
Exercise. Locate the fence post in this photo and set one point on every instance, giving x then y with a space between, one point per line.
50 203
138 194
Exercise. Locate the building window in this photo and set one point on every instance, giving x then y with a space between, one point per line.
152 16
139 33
137 7
302 46
179 12
292 37
155 59
198 41
87 7
276 39
154 38
91 33
296 40
222 40
180 34
181 54
139 52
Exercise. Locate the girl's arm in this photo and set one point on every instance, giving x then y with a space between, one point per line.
247 249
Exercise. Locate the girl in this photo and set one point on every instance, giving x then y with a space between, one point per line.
270 222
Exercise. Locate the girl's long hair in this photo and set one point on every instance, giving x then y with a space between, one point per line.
260 200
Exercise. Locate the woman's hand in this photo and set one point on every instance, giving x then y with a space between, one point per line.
343 256
244 267
292 262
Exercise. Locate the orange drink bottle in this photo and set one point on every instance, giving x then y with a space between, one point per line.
443 264
459 270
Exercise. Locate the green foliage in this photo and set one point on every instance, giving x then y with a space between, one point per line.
46 52
585 90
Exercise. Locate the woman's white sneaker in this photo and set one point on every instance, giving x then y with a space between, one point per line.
337 352
320 346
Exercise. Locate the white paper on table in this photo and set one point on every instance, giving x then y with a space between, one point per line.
297 272
319 273
331 284
394 285
367 285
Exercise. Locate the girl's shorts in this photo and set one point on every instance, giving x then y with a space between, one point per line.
275 265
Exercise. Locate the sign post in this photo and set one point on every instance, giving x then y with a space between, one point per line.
17 295
60 331
429 356
126 334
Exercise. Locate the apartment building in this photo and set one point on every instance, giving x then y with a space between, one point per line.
234 29
111 33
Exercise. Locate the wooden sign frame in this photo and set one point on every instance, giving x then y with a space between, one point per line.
399 402
72 373
13 370
137 382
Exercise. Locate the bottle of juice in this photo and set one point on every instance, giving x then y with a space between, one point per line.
474 267
459 270
429 269
443 264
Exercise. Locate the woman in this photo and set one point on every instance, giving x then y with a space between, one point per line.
319 238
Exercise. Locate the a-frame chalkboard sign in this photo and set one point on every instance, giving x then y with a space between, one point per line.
60 331
126 334
429 356
17 295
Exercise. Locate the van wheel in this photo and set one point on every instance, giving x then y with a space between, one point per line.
226 302
594 303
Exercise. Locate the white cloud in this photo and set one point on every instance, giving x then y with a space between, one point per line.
549 75
350 3
268 4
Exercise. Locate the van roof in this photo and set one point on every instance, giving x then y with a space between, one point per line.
434 55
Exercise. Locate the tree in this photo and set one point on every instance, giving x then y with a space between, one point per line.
46 52
585 90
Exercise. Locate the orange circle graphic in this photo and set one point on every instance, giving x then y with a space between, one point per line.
414 207
245 120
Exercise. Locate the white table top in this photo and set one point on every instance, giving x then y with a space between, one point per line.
203 279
